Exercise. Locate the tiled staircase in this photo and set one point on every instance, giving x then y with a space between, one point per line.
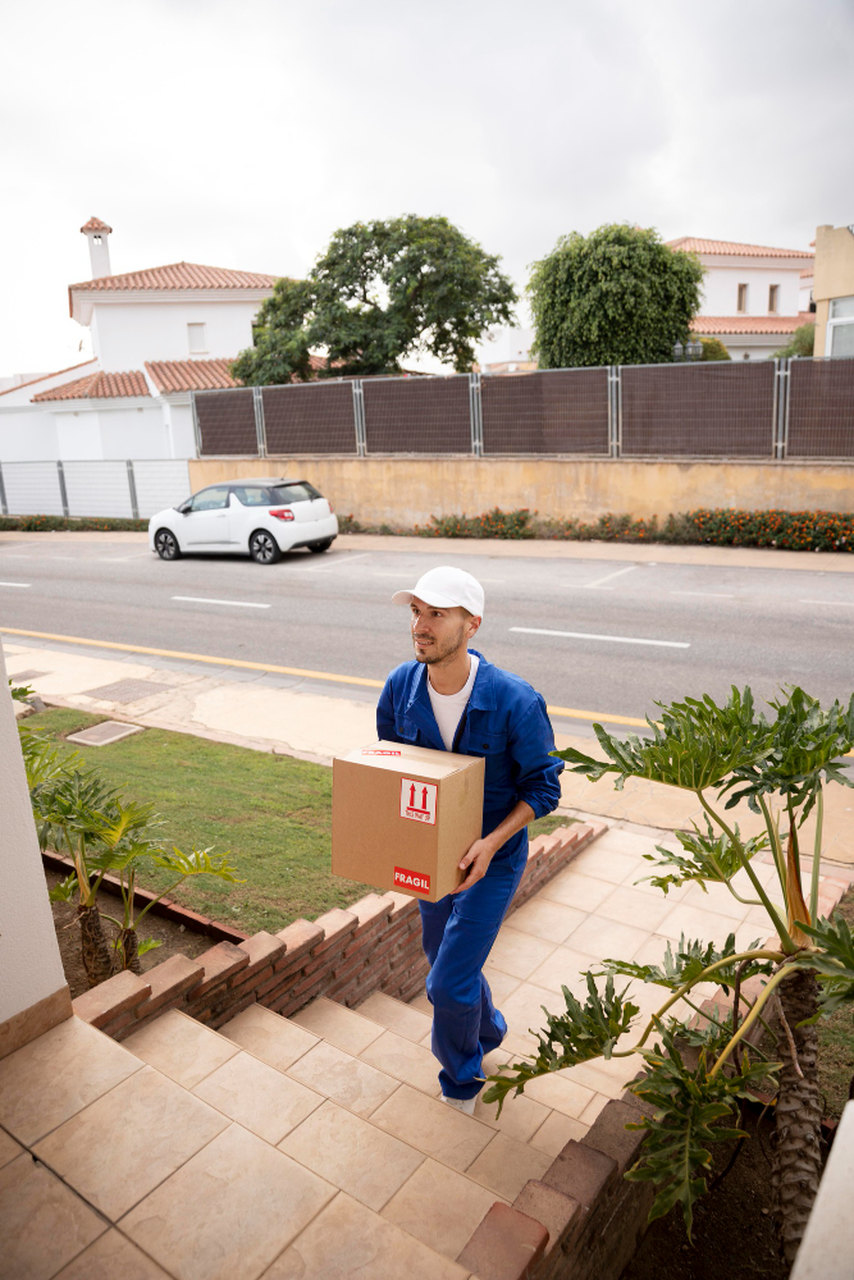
316 1146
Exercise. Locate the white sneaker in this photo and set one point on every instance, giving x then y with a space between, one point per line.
466 1105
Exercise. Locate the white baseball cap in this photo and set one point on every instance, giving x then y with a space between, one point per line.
445 588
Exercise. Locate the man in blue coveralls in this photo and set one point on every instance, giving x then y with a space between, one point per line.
450 697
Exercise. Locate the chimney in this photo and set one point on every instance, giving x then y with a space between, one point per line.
98 235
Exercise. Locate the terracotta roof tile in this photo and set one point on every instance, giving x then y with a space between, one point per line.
707 325
691 244
99 386
170 376
179 275
43 377
95 224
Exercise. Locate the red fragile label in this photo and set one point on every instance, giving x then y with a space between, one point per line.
413 881
379 751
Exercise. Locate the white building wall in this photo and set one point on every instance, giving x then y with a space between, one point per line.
720 289
30 963
27 433
127 333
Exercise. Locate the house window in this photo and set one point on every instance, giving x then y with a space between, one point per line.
196 339
773 295
742 298
840 328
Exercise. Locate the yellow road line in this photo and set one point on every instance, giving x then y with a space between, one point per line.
563 713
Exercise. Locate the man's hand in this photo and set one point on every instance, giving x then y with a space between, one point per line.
474 864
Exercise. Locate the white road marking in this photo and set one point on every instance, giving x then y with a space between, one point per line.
847 604
15 584
600 582
711 595
236 604
586 635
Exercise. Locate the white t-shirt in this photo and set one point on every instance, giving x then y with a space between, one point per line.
448 707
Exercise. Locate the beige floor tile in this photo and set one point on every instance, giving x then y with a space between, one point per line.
608 1078
229 1211
502 985
718 898
565 966
575 889
405 1019
610 861
594 1109
629 906
180 1047
43 1224
420 1004
551 921
9 1148
520 1117
258 1097
275 1040
349 1240
506 1165
440 1207
600 937
350 1083
337 1024
556 1131
120 1147
559 1091
524 1008
433 1127
696 922
518 953
352 1154
404 1060
35 1096
110 1257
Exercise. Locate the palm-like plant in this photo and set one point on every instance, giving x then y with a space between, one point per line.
726 754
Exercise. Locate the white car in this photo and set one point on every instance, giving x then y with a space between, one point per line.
261 518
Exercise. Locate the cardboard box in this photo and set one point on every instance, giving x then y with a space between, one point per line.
403 816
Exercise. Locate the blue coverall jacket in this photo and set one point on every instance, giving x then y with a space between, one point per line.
505 721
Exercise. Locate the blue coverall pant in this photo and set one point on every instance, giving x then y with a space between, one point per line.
457 935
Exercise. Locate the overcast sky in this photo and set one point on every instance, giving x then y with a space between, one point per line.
243 134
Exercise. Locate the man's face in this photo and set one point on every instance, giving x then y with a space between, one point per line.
439 635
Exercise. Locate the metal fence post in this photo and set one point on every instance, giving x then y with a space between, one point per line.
197 431
359 418
63 492
476 414
615 411
134 503
4 506
260 425
782 382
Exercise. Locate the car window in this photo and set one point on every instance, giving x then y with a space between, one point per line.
210 499
253 495
296 491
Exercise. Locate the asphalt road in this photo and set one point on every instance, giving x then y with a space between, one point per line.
608 638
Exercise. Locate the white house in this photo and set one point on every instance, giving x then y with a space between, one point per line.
753 296
157 334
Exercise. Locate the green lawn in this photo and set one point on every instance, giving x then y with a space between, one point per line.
272 813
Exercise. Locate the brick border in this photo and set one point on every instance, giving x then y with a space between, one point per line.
374 945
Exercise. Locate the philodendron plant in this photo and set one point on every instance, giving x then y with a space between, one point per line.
777 765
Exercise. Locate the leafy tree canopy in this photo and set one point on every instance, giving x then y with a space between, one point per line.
617 296
801 343
381 291
714 349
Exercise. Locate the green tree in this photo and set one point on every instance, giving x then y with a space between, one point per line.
618 296
714 349
727 755
801 344
382 291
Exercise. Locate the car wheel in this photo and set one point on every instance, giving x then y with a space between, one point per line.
166 545
320 546
263 547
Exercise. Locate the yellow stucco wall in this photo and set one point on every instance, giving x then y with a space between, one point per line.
834 275
407 491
